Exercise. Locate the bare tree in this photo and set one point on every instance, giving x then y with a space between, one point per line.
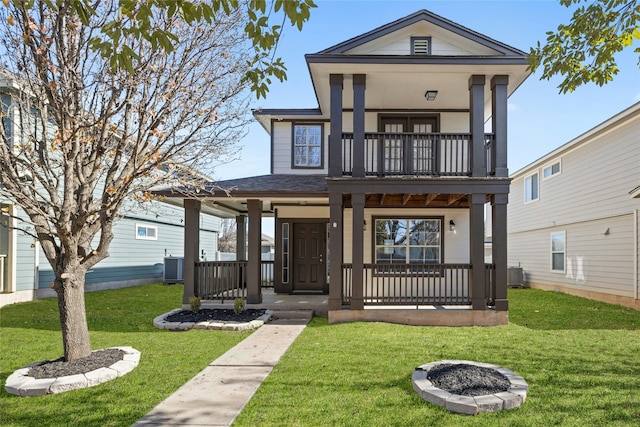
80 137
227 235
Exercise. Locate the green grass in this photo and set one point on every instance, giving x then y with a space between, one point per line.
30 332
580 358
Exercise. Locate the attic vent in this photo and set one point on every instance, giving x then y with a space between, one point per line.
421 45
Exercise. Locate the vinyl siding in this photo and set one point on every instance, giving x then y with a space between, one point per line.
590 201
282 138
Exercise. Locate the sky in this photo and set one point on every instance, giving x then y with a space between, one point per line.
540 119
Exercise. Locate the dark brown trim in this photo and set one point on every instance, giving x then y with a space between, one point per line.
409 117
293 142
416 59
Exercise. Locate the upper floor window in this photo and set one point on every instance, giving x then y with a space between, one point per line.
146 232
551 170
531 192
407 241
420 45
307 145
558 252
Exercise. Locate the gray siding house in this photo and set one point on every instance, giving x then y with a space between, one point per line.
143 237
378 193
573 214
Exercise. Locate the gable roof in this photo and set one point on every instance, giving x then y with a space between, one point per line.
422 15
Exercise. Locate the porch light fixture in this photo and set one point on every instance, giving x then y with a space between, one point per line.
430 95
452 226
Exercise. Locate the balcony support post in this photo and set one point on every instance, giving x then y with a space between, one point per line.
191 247
499 249
476 251
357 254
335 249
359 86
476 125
499 124
335 127
254 290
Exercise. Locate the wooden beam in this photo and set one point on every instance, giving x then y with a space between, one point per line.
406 198
430 198
454 198
382 198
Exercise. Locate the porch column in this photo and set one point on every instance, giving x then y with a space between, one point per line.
357 252
499 249
254 290
335 128
476 251
335 250
499 124
191 247
359 85
241 238
476 126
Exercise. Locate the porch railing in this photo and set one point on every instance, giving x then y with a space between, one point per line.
415 284
413 154
227 280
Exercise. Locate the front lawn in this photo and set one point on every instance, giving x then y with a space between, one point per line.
30 332
580 358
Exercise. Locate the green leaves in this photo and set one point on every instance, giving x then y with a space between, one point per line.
584 50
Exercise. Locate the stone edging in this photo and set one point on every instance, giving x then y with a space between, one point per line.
19 383
160 323
512 398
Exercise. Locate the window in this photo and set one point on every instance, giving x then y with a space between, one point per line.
551 170
558 252
146 232
407 241
420 45
307 145
531 188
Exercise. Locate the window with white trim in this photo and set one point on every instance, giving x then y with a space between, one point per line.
408 241
551 170
146 232
307 145
558 252
531 188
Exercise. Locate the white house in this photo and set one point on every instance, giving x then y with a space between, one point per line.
573 214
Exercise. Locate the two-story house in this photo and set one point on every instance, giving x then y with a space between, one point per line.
379 193
573 215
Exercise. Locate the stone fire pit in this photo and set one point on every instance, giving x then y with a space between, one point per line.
468 387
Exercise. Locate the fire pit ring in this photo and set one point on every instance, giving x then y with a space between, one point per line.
513 396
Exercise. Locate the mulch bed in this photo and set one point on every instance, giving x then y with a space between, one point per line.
208 314
59 368
468 380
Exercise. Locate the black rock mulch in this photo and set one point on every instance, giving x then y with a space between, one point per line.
59 368
223 315
468 380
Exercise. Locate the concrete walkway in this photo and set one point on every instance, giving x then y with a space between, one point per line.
216 395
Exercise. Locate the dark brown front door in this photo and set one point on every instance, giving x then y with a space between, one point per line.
309 249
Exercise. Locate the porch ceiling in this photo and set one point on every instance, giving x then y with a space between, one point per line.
402 86
408 200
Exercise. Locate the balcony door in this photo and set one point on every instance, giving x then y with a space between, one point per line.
406 152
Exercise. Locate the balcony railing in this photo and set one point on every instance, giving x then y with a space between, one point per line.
413 154
416 284
227 280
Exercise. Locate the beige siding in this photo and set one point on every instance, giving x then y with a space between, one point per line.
590 201
282 149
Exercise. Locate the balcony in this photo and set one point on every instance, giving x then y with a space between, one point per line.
415 154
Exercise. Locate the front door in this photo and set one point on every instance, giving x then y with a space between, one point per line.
309 257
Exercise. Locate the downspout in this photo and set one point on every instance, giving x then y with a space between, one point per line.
635 255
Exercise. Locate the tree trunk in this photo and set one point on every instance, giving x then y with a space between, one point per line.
73 317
